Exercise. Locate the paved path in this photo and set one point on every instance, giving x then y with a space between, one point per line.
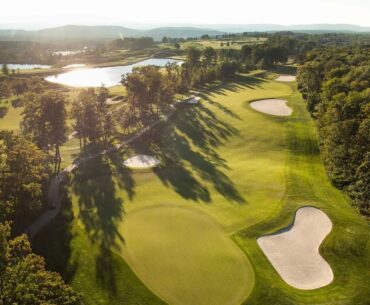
54 196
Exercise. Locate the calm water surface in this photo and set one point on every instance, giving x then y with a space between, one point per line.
74 66
109 76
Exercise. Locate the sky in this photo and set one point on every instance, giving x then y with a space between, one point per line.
37 13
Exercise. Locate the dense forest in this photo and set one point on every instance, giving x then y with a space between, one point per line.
335 83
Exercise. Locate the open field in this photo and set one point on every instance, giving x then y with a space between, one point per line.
216 44
11 119
243 174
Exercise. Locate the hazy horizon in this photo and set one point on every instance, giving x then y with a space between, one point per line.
148 26
144 14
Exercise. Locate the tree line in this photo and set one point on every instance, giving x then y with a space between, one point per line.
28 160
131 43
24 176
335 82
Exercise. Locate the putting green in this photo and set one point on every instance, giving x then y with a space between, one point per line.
185 257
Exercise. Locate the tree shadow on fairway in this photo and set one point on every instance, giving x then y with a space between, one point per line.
284 69
54 241
187 148
100 210
238 83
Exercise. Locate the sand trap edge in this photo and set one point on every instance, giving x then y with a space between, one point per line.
288 114
150 162
288 228
286 78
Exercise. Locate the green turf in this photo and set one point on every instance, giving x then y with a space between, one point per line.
12 119
216 44
347 248
174 250
246 170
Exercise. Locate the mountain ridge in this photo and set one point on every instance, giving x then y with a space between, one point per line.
115 31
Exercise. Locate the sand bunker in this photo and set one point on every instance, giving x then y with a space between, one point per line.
141 161
286 78
294 251
110 101
193 100
272 106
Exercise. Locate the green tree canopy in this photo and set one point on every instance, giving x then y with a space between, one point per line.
23 278
24 170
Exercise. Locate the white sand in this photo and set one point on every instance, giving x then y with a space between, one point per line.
110 101
193 100
141 161
294 252
272 106
286 78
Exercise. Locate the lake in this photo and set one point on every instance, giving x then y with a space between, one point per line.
109 76
74 66
25 66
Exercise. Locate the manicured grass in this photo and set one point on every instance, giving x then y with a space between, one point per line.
174 250
346 248
12 119
216 44
118 90
246 170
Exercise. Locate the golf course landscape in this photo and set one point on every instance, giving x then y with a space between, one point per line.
185 231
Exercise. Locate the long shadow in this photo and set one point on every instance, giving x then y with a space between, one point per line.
187 147
54 241
101 210
238 83
284 69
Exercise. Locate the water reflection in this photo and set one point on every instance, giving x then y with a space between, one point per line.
109 76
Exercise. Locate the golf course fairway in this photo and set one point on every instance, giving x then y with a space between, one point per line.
185 232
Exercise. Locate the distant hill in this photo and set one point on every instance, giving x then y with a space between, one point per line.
81 32
86 32
102 32
180 32
307 28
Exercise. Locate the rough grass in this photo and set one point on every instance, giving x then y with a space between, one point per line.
248 171
346 248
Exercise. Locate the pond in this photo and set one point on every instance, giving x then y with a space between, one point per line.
67 53
25 66
108 76
74 66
